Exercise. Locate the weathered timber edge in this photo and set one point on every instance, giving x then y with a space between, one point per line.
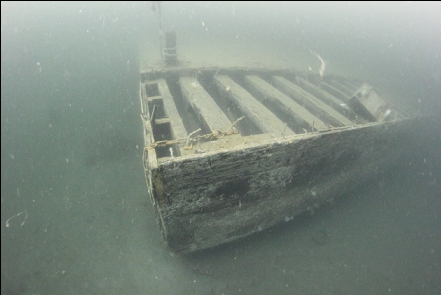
210 199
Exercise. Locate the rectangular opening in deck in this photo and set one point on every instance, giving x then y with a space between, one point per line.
152 89
160 123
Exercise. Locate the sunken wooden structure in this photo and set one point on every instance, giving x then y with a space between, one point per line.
230 152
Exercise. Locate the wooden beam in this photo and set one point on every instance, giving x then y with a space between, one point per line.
311 102
330 88
328 98
206 109
263 118
348 90
274 98
177 126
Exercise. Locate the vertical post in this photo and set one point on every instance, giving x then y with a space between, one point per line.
169 52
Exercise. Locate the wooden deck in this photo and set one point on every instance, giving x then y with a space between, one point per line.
229 152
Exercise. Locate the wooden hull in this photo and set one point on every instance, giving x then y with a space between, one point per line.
271 145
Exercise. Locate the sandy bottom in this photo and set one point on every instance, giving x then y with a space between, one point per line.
240 53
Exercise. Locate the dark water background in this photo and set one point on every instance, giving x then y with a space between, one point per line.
71 142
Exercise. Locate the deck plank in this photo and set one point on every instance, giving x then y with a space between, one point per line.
330 88
328 98
296 112
177 126
349 90
263 118
317 91
208 112
310 100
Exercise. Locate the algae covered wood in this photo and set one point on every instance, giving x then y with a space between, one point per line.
251 107
311 101
230 180
206 109
275 99
208 200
